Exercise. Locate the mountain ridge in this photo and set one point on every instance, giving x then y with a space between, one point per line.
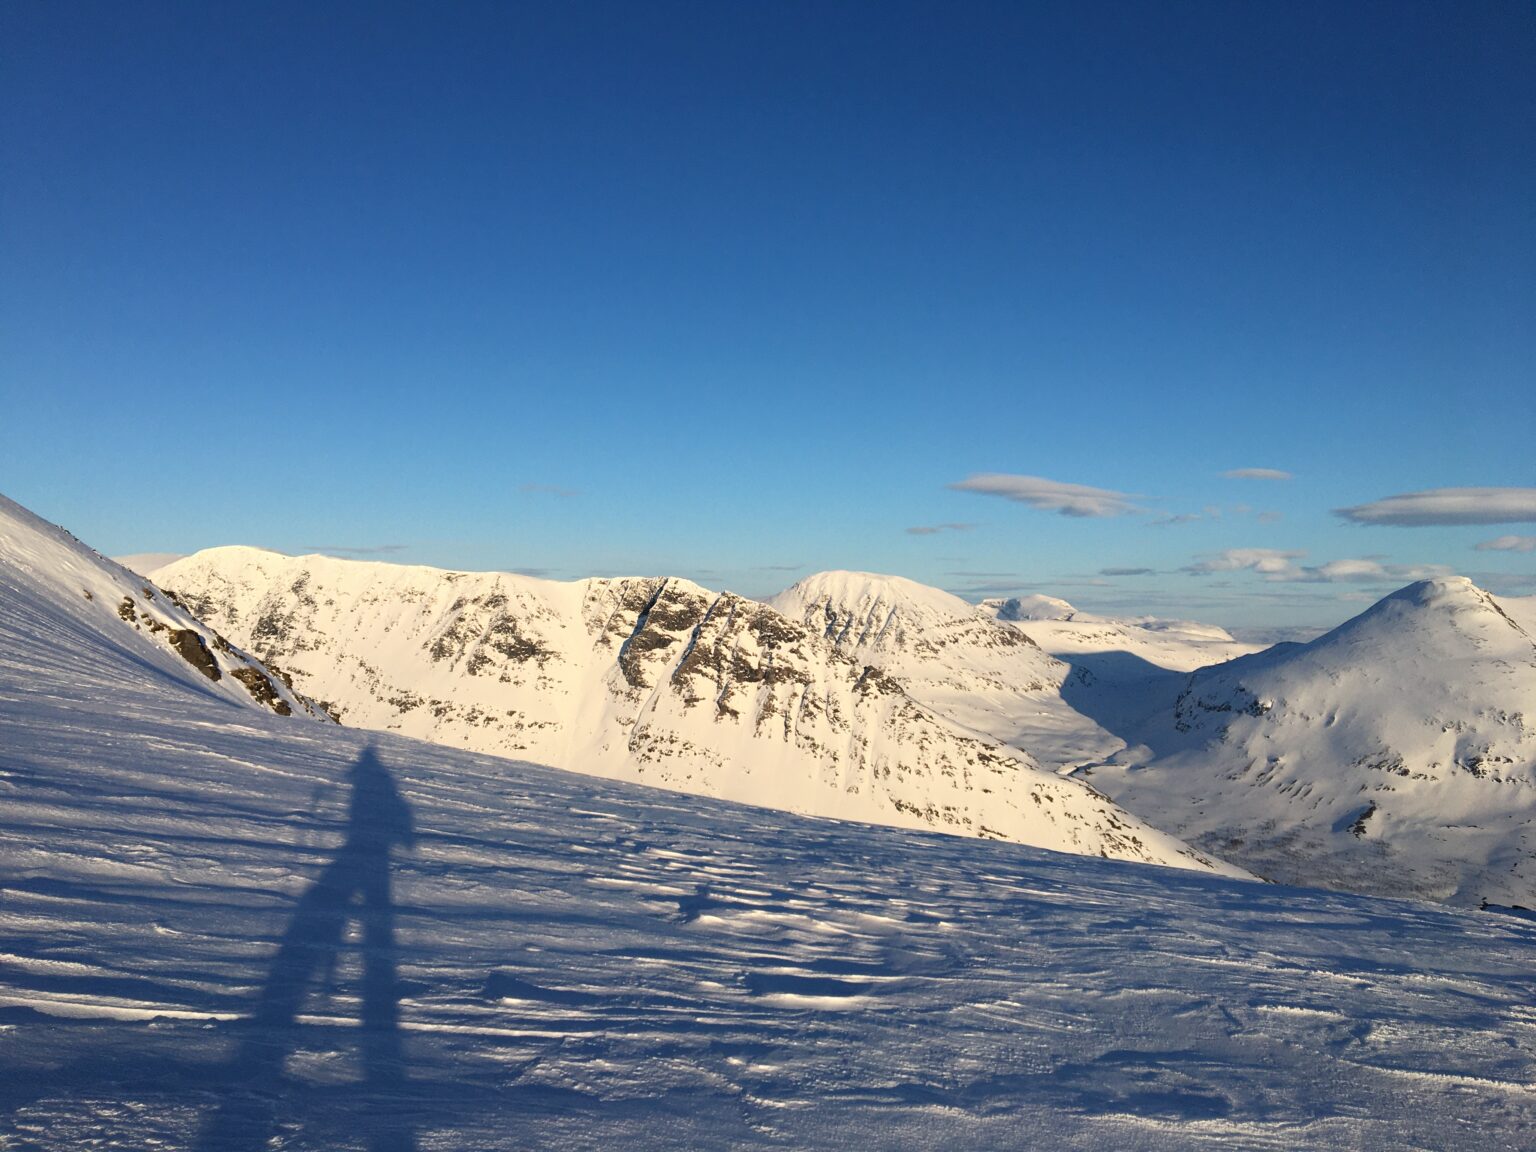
651 679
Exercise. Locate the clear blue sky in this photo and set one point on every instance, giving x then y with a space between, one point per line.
738 291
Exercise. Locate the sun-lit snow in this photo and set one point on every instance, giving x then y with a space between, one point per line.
982 674
225 930
1396 754
663 682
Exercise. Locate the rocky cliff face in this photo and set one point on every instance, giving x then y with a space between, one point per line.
655 680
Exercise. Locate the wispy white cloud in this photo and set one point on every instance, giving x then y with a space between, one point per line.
1171 520
1267 561
1448 506
1257 474
1284 567
1509 544
1049 495
935 529
1126 571
1366 571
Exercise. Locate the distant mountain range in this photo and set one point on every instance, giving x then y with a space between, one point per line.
1395 755
662 682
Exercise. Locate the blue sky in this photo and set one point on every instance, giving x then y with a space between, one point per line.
740 292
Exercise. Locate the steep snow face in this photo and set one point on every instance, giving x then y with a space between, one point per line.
654 680
222 930
984 675
1396 754
106 627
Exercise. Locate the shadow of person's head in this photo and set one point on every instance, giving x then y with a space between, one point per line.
379 816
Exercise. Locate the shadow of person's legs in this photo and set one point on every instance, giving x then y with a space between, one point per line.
354 885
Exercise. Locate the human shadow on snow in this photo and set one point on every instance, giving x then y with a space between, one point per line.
353 887
257 1098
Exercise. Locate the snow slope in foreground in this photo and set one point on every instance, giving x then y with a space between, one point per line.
71 620
223 930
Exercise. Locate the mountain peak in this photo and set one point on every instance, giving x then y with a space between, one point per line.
850 589
1032 607
1448 615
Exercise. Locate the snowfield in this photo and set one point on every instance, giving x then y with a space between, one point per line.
221 928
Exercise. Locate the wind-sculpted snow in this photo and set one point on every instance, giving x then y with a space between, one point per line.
223 932
1396 754
659 681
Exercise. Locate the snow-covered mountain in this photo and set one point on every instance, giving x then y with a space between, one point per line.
984 675
654 680
223 930
1103 645
108 626
1395 754
1030 671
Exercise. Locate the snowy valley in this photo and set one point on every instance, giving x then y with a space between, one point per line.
1391 757
222 928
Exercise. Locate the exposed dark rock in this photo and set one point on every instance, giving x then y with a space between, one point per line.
194 650
1358 827
262 689
506 638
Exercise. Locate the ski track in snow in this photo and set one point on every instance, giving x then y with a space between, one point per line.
579 963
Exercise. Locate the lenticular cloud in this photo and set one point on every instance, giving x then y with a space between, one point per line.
1049 495
1448 506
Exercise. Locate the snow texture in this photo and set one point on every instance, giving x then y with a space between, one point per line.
221 929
